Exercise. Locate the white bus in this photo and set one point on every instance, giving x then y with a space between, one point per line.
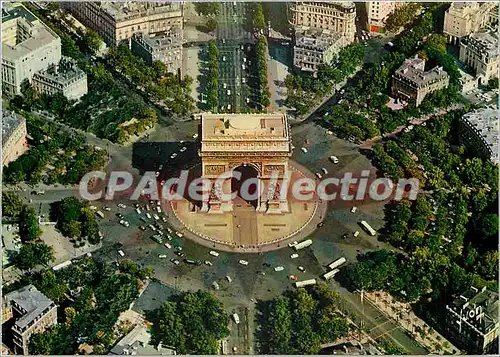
300 284
62 265
303 244
236 318
330 274
368 228
337 263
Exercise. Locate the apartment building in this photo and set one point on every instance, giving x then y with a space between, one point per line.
333 16
65 77
165 48
14 133
33 312
28 46
119 21
378 12
472 321
480 51
464 18
411 82
314 47
479 132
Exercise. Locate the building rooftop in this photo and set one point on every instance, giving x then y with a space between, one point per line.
253 127
478 308
163 41
64 72
413 71
346 5
136 342
485 122
12 11
486 42
316 39
10 121
39 34
31 301
130 9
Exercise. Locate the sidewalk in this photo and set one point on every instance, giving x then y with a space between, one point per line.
404 316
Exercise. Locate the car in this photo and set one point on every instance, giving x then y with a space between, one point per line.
208 263
224 85
293 277
175 261
266 265
178 247
334 159
344 236
326 114
325 171
195 136
243 262
180 254
183 149
158 209
301 268
106 208
228 278
122 254
318 175
142 228
138 210
280 268
152 227
228 92
147 208
215 285
213 253
294 255
167 245
143 219
93 208
157 173
156 217
173 156
119 215
261 273
291 245
178 234
169 230
356 234
162 256
164 219
320 224
124 223
223 57
329 132
354 209
304 150
148 215
243 80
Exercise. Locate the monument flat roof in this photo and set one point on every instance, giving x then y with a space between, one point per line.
242 127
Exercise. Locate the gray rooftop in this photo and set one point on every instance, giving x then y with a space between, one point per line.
486 42
130 9
316 39
31 301
413 71
162 42
485 123
40 35
64 72
485 300
10 121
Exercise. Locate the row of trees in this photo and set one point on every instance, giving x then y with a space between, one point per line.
450 237
33 252
263 93
213 77
401 16
99 293
301 320
165 88
304 90
56 156
193 323
349 125
76 220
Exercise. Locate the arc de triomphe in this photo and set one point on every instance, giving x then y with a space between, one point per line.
260 141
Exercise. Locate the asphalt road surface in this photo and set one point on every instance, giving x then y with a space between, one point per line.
233 44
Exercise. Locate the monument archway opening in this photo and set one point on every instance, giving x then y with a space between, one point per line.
247 186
